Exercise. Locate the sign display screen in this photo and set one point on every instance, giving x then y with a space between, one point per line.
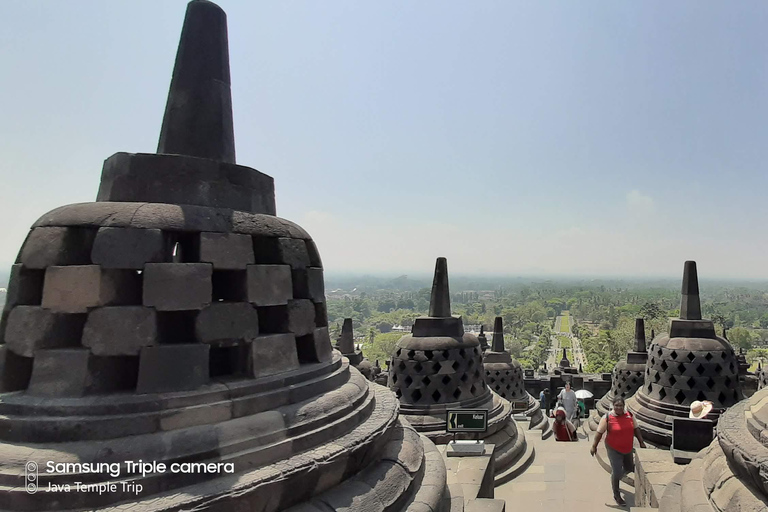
466 420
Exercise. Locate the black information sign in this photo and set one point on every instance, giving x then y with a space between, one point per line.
466 420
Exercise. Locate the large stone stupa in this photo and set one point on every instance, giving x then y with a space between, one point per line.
627 376
505 376
688 364
178 320
439 367
731 475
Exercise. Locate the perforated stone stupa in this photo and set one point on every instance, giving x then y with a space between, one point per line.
505 376
439 367
177 319
628 375
688 364
729 475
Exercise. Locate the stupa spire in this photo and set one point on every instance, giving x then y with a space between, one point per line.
640 335
690 305
198 114
347 340
440 301
498 335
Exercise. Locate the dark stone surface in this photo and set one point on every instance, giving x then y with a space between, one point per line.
226 251
25 287
185 180
130 248
32 328
443 326
49 246
48 379
323 347
227 323
121 330
269 285
347 340
170 217
308 284
301 317
177 286
498 335
440 301
15 370
690 305
198 114
314 254
271 354
170 368
76 288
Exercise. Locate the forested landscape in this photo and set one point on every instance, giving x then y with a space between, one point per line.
602 312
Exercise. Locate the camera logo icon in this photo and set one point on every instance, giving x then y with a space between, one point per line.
30 476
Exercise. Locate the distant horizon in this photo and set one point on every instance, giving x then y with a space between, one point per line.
547 139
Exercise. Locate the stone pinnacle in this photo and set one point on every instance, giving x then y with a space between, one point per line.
639 335
198 114
347 341
690 305
440 302
498 335
725 333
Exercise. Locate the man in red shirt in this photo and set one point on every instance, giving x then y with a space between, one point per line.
622 429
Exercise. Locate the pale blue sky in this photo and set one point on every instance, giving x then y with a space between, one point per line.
577 137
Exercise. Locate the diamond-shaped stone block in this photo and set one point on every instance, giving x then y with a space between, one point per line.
120 331
129 248
224 323
272 354
177 286
32 328
76 288
168 368
226 251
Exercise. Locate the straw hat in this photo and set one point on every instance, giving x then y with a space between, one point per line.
700 409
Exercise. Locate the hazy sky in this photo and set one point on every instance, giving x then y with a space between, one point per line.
515 137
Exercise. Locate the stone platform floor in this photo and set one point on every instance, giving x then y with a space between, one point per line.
562 477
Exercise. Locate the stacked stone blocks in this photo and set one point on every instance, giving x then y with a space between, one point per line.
142 299
696 375
427 377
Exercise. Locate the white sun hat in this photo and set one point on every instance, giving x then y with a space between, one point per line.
700 409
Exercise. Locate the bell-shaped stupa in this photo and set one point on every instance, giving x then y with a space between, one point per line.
505 376
176 321
689 363
440 367
628 375
729 475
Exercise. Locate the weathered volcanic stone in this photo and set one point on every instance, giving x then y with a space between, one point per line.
272 354
48 379
122 330
226 251
76 288
177 286
169 368
323 344
198 113
227 323
283 251
308 284
31 328
15 370
25 287
314 254
49 246
130 248
301 317
185 180
269 285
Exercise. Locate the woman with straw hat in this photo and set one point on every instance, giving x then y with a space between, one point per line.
699 410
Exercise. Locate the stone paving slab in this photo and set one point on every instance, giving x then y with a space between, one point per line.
563 477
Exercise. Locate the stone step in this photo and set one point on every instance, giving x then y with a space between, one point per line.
485 505
518 467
